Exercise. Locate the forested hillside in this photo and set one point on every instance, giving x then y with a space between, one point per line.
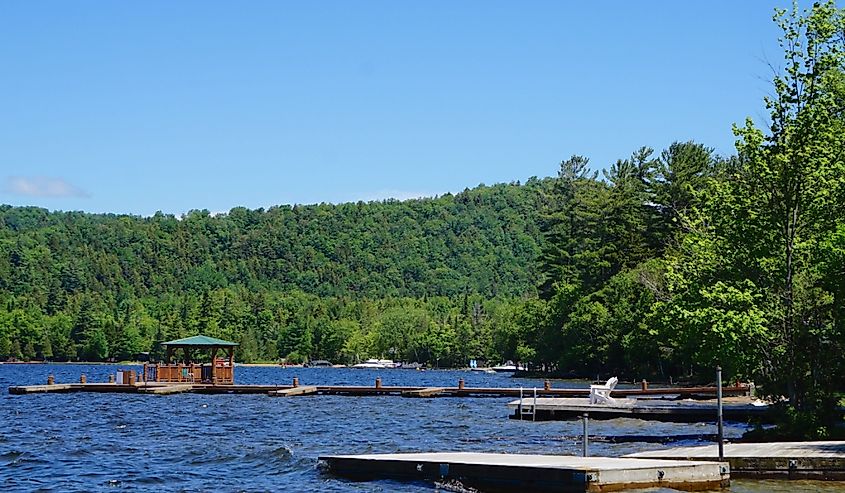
96 286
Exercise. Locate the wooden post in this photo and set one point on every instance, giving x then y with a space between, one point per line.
644 384
296 381
232 364
547 385
51 380
82 378
131 377
378 382
461 384
111 378
213 364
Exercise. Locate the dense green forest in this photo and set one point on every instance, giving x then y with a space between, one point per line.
663 264
340 282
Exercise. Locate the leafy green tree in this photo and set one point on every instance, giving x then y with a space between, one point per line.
5 347
96 346
749 291
796 182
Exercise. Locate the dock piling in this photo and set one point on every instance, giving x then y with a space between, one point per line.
585 440
51 380
719 413
111 378
378 382
644 385
547 385
82 379
296 381
461 384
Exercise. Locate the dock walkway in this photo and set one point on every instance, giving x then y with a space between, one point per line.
375 390
792 460
683 411
533 473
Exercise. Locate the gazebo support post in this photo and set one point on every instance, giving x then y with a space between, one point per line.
213 364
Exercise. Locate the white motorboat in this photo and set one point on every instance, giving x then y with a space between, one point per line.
377 364
507 367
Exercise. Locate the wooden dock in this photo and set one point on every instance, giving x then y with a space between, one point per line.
780 460
685 411
533 473
374 390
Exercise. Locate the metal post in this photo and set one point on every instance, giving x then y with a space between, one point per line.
719 413
585 442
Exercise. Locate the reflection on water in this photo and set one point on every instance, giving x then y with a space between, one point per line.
104 442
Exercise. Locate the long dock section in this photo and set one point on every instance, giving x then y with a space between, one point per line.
533 473
780 460
376 390
686 411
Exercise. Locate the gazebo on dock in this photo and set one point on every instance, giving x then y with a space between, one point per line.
219 371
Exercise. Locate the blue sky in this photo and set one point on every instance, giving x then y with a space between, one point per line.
134 107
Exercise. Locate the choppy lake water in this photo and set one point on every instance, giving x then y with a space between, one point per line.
191 442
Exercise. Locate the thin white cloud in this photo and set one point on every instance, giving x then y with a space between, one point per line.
42 186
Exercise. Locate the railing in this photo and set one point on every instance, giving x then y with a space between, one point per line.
191 373
523 411
179 373
224 374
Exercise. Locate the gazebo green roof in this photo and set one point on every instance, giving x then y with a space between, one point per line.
200 341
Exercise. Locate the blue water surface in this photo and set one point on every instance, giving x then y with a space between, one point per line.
233 442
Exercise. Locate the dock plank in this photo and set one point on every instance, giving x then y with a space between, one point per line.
293 391
37 389
424 392
538 473
793 460
167 389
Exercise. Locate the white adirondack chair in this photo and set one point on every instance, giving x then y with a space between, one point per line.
600 394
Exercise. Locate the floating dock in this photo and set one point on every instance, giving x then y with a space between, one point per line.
533 473
778 460
685 411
